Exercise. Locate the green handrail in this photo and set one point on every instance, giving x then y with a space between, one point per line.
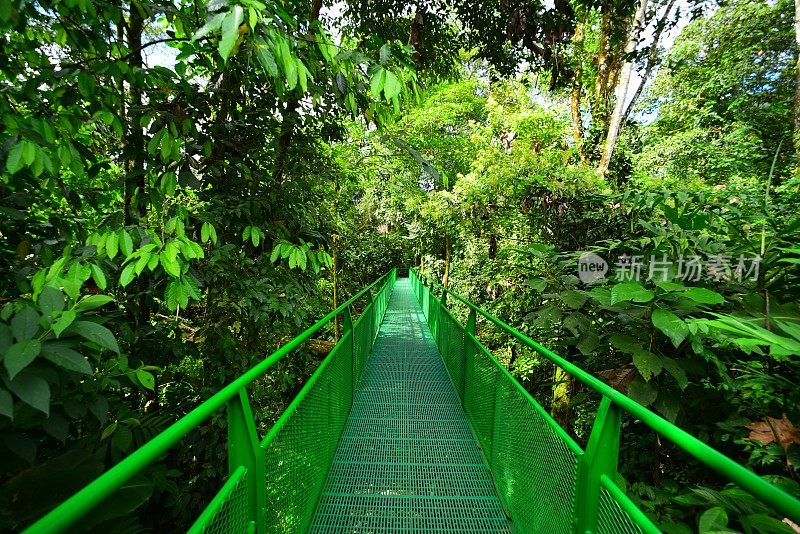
773 496
73 509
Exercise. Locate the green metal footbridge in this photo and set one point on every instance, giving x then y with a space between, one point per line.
411 425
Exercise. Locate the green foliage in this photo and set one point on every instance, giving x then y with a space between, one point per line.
724 98
168 222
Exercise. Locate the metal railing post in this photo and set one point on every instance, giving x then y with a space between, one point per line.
440 335
470 331
371 318
347 327
600 458
244 450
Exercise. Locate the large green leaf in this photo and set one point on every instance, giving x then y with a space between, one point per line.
176 295
702 295
303 75
642 392
62 355
647 363
765 524
25 324
213 24
391 85
747 336
20 355
129 272
630 291
377 82
98 276
28 152
146 379
625 343
267 61
112 245
713 519
588 341
64 321
669 286
672 325
95 333
32 390
173 268
93 301
276 253
125 243
290 70
792 329
230 31
668 406
537 284
573 299
14 160
50 300
171 250
601 295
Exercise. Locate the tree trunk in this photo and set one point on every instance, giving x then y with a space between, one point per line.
121 83
447 247
288 124
600 105
415 32
652 59
290 116
796 104
135 208
622 89
575 97
134 138
560 405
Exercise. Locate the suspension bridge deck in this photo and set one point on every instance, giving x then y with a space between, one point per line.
408 460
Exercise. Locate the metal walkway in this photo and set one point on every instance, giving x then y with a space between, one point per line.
407 460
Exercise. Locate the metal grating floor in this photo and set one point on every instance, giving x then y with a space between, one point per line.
407 460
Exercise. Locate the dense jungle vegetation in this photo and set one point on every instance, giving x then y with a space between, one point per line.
188 185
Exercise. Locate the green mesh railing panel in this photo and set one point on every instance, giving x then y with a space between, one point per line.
228 511
534 469
479 393
299 455
451 345
298 458
612 519
407 460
